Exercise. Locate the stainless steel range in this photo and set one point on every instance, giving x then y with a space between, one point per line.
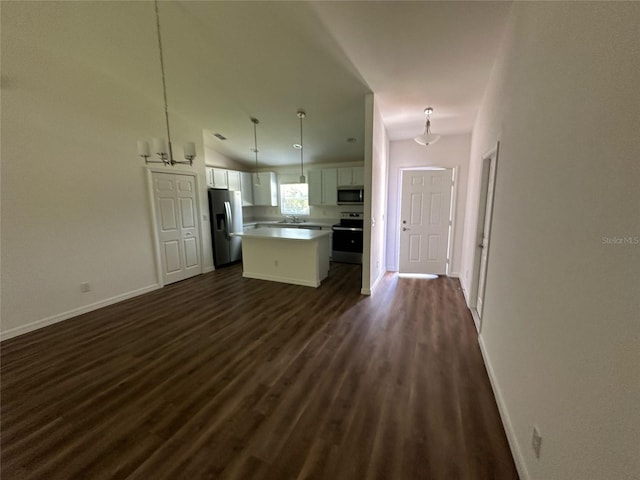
348 238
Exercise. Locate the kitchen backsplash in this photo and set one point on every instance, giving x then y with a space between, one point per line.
332 213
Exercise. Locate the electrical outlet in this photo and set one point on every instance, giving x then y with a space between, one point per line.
536 441
85 287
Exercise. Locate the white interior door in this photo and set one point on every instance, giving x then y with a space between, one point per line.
484 235
425 221
177 226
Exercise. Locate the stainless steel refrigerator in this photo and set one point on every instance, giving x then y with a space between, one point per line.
225 210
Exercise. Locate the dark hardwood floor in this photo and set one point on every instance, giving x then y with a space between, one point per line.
220 377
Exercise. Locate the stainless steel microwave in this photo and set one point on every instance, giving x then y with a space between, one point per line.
351 195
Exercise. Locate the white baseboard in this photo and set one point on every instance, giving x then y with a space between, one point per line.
472 309
516 452
369 291
30 327
208 269
277 278
465 290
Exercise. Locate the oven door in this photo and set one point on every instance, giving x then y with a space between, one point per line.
346 239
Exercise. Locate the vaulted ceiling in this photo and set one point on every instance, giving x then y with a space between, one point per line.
228 61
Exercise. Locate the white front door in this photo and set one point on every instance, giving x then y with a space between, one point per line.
425 221
177 226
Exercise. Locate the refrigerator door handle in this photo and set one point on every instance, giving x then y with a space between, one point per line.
227 220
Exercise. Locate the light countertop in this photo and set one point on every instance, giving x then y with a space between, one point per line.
310 223
284 233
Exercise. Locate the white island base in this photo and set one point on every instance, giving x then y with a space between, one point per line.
287 255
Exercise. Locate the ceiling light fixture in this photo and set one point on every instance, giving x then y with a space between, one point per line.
427 138
301 115
255 146
164 152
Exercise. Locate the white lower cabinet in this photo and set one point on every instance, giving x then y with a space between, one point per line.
330 241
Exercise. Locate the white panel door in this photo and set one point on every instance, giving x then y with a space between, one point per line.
485 236
177 224
425 221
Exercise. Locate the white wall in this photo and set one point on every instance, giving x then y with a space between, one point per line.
75 204
450 151
561 329
375 175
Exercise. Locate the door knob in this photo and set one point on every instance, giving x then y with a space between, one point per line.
405 228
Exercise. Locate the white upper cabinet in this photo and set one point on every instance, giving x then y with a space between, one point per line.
358 175
233 179
350 176
217 178
265 193
315 187
323 186
246 189
209 173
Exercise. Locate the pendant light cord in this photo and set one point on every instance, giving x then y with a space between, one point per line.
164 83
255 146
301 115
255 139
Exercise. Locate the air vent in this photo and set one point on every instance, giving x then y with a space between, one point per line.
219 136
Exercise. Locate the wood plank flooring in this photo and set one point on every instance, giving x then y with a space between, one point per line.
221 377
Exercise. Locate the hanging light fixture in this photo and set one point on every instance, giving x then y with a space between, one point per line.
162 148
255 146
300 146
427 138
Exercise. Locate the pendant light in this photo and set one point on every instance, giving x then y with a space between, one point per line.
163 148
427 138
300 146
255 147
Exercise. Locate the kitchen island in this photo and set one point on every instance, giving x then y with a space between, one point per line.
287 255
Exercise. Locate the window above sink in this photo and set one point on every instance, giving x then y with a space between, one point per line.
294 199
